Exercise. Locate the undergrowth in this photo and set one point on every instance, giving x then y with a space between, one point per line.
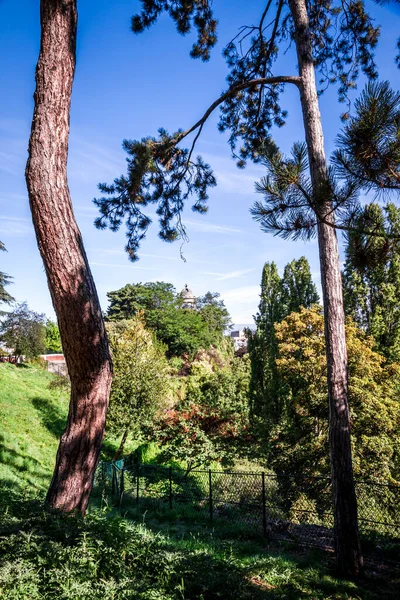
46 555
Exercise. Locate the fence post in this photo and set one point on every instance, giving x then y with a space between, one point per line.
170 487
263 503
211 496
137 483
122 486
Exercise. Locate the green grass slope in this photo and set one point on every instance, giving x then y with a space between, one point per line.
32 418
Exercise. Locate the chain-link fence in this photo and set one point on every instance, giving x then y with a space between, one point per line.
292 508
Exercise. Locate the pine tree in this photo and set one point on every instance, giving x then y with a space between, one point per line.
371 277
337 40
369 146
68 273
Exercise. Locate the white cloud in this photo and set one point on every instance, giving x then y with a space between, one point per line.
207 227
127 266
14 218
230 178
16 226
230 275
248 294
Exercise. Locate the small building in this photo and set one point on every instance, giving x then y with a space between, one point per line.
188 298
239 339
55 363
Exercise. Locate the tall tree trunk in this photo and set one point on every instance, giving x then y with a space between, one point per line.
69 278
347 543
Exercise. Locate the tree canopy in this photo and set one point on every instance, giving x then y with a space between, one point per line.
299 442
279 297
183 330
5 280
371 277
23 331
140 384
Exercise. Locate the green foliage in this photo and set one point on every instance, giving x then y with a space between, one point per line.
371 277
5 280
53 339
160 175
126 302
33 417
369 146
23 330
298 288
214 313
162 172
46 555
299 441
210 424
279 297
184 331
140 384
291 207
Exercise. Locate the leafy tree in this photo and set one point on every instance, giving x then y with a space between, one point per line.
214 312
279 297
262 346
70 280
371 277
126 302
298 288
210 424
140 385
53 340
184 331
23 330
299 442
333 41
5 280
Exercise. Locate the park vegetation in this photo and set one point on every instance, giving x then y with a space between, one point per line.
177 381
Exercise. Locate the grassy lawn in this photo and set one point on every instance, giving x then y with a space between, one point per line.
32 418
107 557
141 556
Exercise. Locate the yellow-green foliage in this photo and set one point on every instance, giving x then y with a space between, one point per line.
32 418
300 440
140 385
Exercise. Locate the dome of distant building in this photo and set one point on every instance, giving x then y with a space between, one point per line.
188 298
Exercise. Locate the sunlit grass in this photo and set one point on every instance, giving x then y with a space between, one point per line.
32 418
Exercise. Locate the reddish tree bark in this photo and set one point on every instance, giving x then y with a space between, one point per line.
69 277
347 542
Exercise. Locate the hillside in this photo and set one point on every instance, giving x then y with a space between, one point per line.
32 417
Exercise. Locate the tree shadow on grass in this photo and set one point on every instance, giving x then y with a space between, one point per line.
51 415
26 469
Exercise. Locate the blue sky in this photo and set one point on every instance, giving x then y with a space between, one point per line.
128 86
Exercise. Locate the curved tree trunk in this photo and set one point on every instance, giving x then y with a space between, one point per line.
69 278
347 543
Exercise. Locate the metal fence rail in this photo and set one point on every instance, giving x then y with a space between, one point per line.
293 508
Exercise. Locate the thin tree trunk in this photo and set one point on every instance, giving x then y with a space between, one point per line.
121 446
69 278
347 543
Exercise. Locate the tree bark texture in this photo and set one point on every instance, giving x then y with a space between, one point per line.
347 543
69 277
